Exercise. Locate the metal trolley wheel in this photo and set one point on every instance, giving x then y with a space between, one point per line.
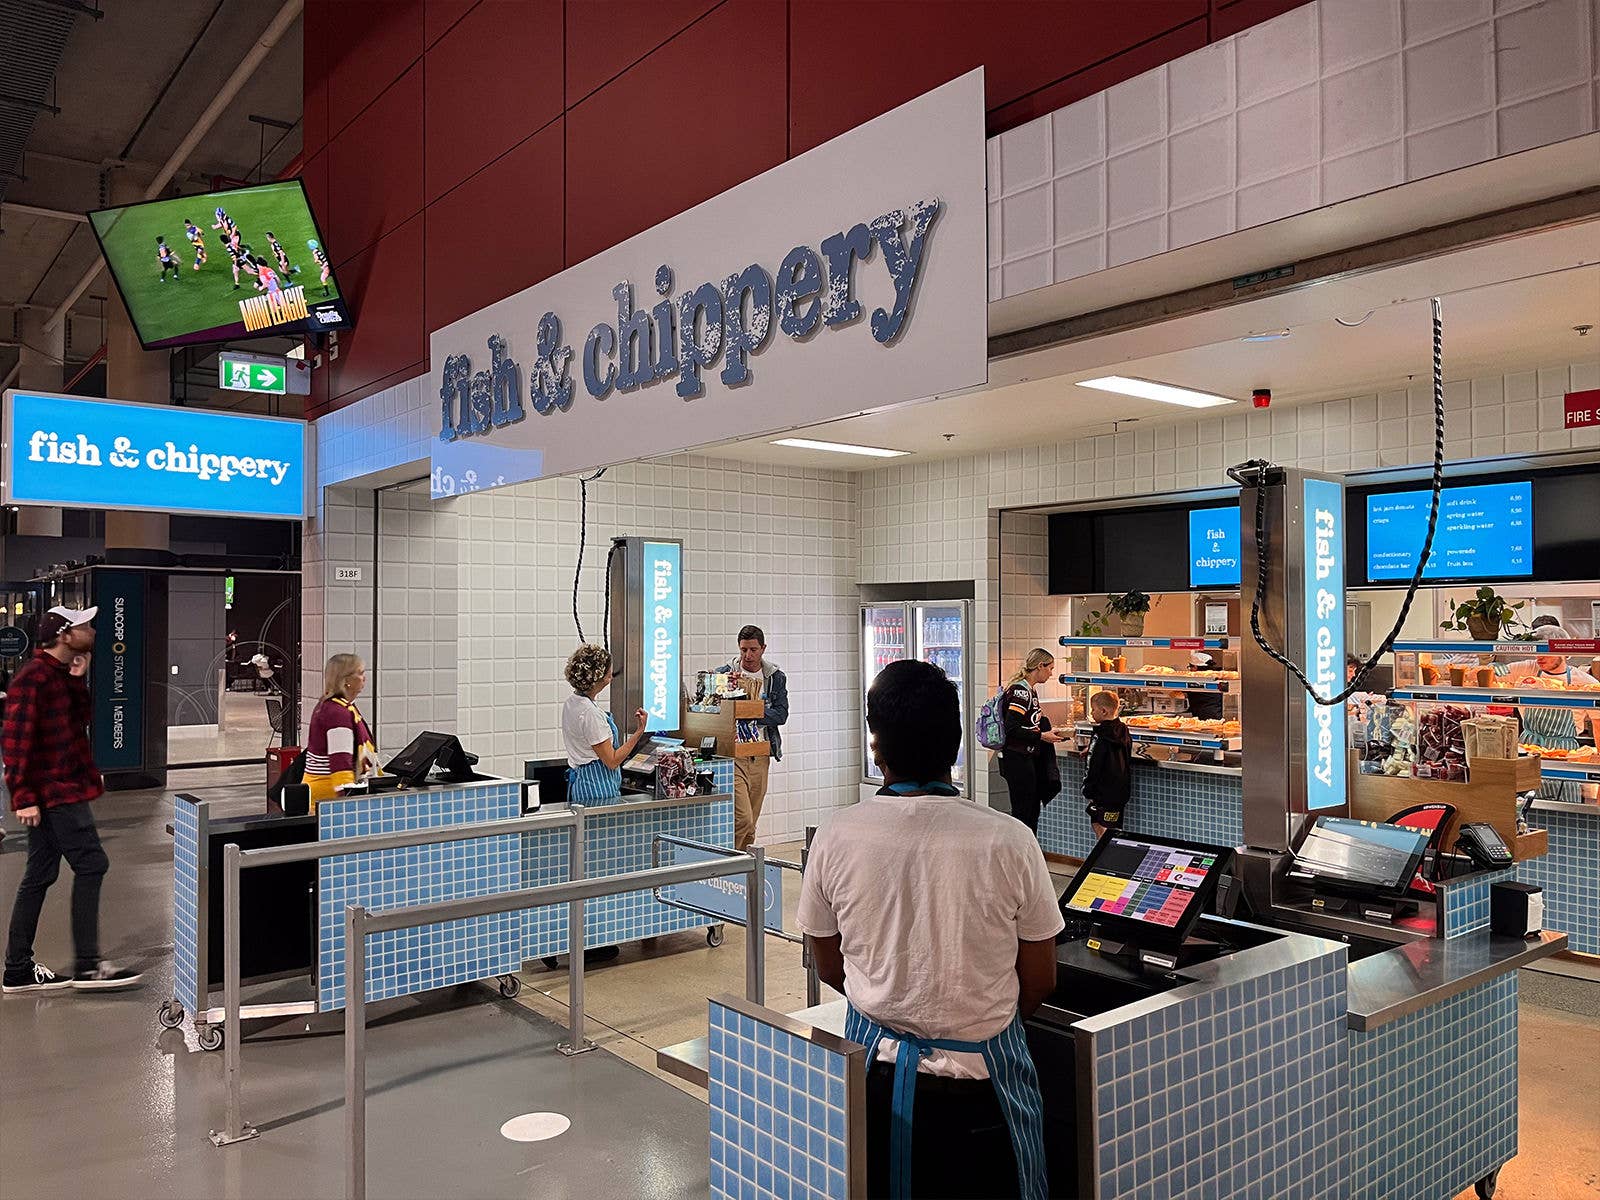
209 1036
1486 1186
170 1015
715 935
510 986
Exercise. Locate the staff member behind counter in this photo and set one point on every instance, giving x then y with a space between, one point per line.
937 920
595 746
1547 725
340 746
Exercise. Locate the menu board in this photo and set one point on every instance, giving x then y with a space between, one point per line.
1484 532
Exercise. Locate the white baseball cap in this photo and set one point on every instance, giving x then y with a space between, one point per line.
61 618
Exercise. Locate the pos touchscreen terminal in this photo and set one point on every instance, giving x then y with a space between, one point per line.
1360 866
1142 895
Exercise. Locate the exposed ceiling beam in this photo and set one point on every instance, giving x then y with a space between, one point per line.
219 104
33 210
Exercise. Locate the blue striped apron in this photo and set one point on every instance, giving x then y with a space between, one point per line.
1006 1055
1558 729
1016 1086
594 782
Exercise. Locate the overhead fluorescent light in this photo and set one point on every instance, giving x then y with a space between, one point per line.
1270 336
840 448
1163 393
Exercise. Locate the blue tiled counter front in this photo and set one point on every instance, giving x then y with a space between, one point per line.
1434 1095
788 1108
1203 806
1231 1090
188 928
404 961
1569 873
619 838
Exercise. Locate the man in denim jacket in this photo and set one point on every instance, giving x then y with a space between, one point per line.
765 681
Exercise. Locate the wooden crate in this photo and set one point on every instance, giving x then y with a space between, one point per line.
722 725
1489 795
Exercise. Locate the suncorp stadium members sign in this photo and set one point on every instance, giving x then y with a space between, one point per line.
78 453
850 279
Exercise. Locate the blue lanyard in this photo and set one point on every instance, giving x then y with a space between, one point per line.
907 788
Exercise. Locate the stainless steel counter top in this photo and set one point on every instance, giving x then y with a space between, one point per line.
689 1060
1401 981
1571 806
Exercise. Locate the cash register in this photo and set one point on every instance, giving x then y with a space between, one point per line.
639 771
1137 898
1363 868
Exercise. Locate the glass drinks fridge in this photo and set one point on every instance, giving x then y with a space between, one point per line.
934 631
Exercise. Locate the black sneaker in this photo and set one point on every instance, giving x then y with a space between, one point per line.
37 978
107 977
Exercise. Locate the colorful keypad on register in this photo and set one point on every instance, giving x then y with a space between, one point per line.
1158 892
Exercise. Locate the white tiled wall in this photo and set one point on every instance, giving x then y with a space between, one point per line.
335 617
776 548
475 604
1334 99
418 598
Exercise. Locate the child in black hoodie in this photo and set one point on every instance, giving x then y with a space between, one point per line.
1107 780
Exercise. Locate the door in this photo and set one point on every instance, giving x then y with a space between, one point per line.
883 641
941 637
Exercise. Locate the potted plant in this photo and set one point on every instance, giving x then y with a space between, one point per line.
1129 608
1484 616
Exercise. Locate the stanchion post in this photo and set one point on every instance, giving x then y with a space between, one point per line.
355 1052
235 1129
755 928
576 1042
808 960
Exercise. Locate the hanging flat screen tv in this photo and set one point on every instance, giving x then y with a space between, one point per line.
220 266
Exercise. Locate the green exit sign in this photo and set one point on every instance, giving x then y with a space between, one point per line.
243 375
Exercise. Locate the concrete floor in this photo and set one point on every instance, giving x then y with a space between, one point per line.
246 736
96 1099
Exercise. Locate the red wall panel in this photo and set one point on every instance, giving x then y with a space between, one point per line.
677 129
841 75
605 37
315 173
491 81
463 268
314 79
1098 78
368 44
439 15
384 284
668 102
375 169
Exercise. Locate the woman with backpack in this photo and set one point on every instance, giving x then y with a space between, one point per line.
1028 756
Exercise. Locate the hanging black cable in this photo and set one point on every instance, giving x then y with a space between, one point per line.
1254 474
583 536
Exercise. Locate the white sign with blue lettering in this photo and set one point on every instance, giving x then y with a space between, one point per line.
849 279
725 897
1323 517
83 453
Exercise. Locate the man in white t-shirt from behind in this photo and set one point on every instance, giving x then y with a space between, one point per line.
937 919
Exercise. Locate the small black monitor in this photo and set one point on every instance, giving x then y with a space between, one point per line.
428 750
1361 857
1145 890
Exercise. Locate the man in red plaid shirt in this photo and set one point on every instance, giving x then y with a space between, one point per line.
51 775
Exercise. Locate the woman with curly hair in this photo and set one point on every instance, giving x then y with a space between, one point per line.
595 746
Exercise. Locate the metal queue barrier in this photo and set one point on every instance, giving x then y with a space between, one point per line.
361 923
729 910
235 861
